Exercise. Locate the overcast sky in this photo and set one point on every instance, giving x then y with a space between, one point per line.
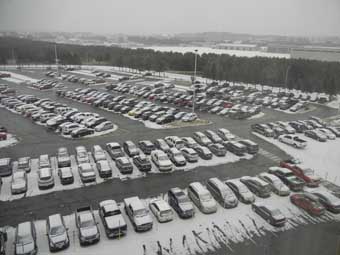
283 17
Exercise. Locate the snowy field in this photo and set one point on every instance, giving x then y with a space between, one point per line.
198 235
323 157
207 50
33 190
11 140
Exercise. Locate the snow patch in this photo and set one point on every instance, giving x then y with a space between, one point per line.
10 141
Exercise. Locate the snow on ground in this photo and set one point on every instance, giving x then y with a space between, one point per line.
301 111
323 157
335 103
19 78
201 234
11 140
96 134
257 116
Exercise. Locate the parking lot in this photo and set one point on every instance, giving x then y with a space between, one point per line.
35 140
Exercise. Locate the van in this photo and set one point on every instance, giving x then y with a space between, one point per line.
25 239
235 147
252 148
5 167
82 155
202 198
57 233
44 161
222 193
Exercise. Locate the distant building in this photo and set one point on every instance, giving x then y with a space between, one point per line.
237 46
330 54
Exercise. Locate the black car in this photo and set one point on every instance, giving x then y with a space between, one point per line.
203 152
299 127
181 203
142 163
165 119
269 213
124 165
146 146
257 186
288 178
81 132
315 135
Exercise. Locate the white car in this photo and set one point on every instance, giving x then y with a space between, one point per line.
45 178
189 117
174 141
330 135
190 154
293 140
161 210
19 182
190 142
276 184
161 160
225 134
107 125
202 198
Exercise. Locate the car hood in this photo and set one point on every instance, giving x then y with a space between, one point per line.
58 238
209 204
146 219
88 232
24 248
115 221
87 174
179 158
63 159
18 185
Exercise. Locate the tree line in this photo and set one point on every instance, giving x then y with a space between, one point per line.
305 75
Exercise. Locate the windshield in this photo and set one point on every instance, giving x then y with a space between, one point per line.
206 197
140 213
57 231
163 158
183 199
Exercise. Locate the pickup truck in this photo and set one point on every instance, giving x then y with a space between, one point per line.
138 214
88 231
293 140
112 219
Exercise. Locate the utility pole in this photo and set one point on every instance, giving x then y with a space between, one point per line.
193 81
286 80
56 59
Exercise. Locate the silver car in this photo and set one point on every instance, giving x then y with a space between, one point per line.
19 182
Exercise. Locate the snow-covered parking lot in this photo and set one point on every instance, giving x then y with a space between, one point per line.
11 140
199 235
323 157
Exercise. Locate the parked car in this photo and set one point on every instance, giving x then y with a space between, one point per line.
124 165
293 140
161 144
308 202
18 182
256 185
112 219
81 132
277 186
202 198
104 168
88 232
24 164
190 142
269 213
236 148
203 152
202 139
82 155
328 200
66 175
57 234
142 163
316 135
176 157
86 172
241 191
130 149
288 178
174 141
161 160
329 134
252 147
114 150
180 202
98 153
161 210
222 193
63 157
139 216
213 136
45 178
104 126
44 161
146 146
25 240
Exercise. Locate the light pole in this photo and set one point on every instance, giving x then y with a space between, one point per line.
193 81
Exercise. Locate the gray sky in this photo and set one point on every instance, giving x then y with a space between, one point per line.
284 17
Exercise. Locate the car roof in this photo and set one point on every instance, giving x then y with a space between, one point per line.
55 220
109 205
199 187
45 172
161 204
24 228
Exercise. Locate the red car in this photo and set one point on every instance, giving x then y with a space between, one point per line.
305 174
309 203
3 136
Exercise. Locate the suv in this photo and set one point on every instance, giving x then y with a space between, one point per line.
63 157
5 167
256 185
98 153
45 178
124 165
222 193
202 198
236 148
138 214
88 231
115 150
146 146
57 233
112 219
178 200
142 163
